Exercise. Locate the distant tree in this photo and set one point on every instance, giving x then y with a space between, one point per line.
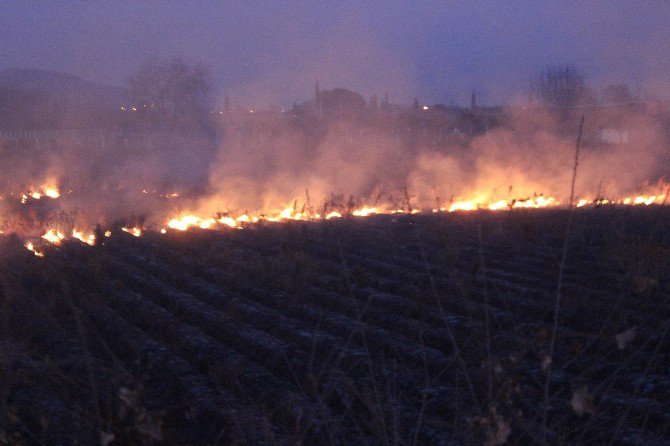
172 89
561 88
341 103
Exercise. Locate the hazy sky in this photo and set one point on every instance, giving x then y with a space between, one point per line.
265 52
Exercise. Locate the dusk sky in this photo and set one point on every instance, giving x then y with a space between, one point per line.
272 52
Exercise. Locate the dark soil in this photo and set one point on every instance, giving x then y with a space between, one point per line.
424 329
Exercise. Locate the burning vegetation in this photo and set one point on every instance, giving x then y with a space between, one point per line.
330 209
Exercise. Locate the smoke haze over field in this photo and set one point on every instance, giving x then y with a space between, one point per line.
332 153
212 133
375 166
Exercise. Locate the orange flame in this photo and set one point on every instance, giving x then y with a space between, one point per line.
88 239
31 247
54 236
136 231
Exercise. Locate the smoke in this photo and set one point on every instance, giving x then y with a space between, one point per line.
267 172
531 154
263 163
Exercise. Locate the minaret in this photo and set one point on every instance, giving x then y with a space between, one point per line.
473 103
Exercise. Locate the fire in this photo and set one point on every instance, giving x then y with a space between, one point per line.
539 201
54 236
497 205
404 211
228 221
188 221
647 200
365 211
51 192
244 218
44 191
88 239
193 221
480 200
136 231
289 213
286 214
636 200
536 202
463 206
31 247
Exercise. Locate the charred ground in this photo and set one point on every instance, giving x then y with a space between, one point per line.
426 329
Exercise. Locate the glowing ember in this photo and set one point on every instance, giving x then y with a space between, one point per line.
333 214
